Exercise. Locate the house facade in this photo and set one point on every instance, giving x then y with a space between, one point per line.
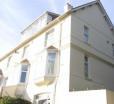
63 59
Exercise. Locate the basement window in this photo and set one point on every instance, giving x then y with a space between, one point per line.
43 98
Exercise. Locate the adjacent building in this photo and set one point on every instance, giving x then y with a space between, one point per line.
63 59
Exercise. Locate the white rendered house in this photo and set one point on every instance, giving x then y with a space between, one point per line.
63 59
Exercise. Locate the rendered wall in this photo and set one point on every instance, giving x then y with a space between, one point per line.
83 97
99 52
99 30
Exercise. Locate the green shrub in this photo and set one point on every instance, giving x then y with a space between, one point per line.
11 100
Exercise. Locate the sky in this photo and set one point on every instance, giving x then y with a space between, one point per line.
16 15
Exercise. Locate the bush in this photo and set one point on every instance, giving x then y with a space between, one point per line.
11 100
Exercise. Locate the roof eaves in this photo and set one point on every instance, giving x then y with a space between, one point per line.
106 15
83 6
58 19
102 9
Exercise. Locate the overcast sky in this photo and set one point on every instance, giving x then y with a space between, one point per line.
15 15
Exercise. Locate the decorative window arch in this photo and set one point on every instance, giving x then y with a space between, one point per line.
24 71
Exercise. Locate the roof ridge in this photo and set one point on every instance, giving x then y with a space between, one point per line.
101 7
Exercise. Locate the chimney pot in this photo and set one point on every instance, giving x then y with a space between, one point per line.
67 7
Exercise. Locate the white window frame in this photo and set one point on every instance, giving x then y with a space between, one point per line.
55 62
24 71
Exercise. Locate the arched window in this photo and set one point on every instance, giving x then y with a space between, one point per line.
24 71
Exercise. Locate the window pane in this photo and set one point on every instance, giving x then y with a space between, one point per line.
51 62
23 77
86 66
86 70
86 33
24 70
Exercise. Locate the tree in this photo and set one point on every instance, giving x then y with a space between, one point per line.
11 100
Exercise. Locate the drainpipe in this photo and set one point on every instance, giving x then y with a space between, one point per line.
67 8
55 87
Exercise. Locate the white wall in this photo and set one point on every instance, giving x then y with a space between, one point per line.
83 97
36 54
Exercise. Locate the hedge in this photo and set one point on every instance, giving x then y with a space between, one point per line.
11 100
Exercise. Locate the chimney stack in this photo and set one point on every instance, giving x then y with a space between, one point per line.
67 7
98 0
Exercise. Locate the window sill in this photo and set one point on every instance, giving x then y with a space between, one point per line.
45 80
